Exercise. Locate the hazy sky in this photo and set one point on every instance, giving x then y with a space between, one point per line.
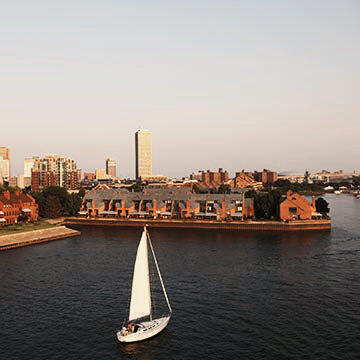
236 84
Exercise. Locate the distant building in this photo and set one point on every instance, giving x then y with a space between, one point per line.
89 176
21 181
111 168
244 180
79 174
6 166
13 181
28 166
143 153
54 170
211 179
154 178
266 176
196 176
17 206
4 169
100 174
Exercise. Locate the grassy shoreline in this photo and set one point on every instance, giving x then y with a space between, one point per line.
24 227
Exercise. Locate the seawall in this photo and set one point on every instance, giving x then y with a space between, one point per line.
35 237
301 225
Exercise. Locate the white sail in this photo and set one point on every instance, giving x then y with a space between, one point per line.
140 304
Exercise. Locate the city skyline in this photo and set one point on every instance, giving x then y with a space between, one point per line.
258 86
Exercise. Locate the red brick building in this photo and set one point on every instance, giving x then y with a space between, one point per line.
266 176
89 176
18 204
211 179
296 207
54 170
244 180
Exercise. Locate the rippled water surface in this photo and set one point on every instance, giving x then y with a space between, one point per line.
234 295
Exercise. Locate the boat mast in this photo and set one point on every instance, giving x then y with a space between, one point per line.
158 270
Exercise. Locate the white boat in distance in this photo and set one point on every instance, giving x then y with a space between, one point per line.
141 325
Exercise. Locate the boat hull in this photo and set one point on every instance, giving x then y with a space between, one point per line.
147 330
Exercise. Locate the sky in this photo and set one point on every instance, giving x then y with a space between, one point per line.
233 84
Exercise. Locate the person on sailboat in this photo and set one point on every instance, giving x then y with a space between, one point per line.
124 331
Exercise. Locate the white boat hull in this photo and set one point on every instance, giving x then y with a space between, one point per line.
147 330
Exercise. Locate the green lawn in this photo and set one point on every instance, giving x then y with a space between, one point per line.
18 228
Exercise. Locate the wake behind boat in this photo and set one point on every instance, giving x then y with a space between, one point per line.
141 325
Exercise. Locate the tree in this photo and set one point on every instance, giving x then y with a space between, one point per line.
57 192
81 193
137 187
356 181
73 204
224 189
40 200
322 206
250 194
52 208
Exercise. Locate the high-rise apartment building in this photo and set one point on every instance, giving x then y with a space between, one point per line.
5 169
28 166
54 170
111 168
143 153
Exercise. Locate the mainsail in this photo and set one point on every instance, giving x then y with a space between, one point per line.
140 304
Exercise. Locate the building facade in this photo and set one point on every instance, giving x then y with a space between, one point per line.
16 207
266 176
166 203
100 174
296 207
54 170
5 165
111 168
244 180
143 153
4 169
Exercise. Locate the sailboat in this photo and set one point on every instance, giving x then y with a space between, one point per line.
141 325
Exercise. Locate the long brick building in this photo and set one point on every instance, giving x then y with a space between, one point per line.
15 206
166 203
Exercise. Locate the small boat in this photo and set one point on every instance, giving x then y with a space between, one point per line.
141 325
337 192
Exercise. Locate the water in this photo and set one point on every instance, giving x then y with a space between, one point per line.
234 295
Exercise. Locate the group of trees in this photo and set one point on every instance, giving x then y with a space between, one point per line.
5 187
266 203
55 201
356 181
285 185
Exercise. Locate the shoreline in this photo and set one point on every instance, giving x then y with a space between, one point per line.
249 225
27 238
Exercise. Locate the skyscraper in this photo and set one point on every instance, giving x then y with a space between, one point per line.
111 168
143 155
5 164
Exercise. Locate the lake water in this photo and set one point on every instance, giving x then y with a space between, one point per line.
234 295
